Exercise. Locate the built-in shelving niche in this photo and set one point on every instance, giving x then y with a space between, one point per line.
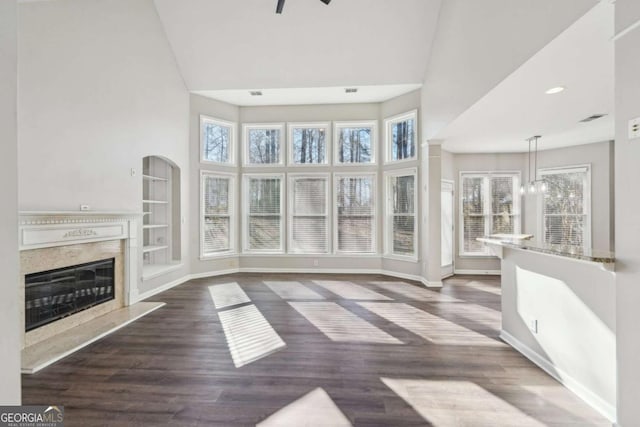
161 217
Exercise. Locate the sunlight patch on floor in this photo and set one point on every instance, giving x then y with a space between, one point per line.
339 324
427 325
249 335
227 294
314 409
351 291
458 403
414 292
292 290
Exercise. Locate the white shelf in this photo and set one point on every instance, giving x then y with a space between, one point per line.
158 202
153 248
154 178
148 226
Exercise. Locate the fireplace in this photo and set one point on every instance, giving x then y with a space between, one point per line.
54 294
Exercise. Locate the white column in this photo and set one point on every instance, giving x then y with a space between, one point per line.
430 245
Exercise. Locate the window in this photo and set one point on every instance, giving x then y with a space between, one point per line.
308 144
355 213
401 137
489 205
355 142
217 224
262 144
263 213
217 140
566 218
308 214
401 213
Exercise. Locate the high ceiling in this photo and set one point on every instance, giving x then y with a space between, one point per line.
244 44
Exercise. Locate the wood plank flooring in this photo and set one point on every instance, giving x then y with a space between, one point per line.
173 367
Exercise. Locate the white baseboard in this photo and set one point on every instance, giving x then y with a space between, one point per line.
478 272
595 401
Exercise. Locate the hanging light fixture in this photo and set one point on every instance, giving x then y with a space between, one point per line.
534 185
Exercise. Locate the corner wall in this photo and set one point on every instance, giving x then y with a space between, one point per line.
10 392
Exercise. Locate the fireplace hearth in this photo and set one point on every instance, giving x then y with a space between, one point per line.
54 294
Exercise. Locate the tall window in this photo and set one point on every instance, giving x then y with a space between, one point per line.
401 213
355 213
355 142
308 144
217 205
566 218
401 137
263 144
308 214
489 205
263 213
217 140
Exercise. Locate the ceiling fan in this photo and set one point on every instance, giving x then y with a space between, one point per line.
280 5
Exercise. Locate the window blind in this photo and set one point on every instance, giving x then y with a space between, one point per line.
565 209
216 211
403 215
264 211
308 215
355 220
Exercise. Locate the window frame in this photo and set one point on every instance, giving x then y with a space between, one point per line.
232 213
388 122
374 209
246 177
246 127
306 125
232 139
487 207
291 177
389 215
586 202
338 126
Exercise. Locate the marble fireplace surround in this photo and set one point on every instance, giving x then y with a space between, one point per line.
50 240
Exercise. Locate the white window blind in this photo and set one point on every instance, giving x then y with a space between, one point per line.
566 206
489 205
216 138
263 226
308 219
308 144
355 213
263 144
401 214
355 142
217 214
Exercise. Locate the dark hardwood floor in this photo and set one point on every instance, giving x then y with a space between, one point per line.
173 367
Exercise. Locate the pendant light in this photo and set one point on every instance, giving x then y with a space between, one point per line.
534 185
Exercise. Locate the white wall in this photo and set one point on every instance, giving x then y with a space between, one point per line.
99 90
10 393
627 205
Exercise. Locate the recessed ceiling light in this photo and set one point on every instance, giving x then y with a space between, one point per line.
255 92
553 90
351 90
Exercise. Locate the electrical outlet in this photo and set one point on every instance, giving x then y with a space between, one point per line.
533 325
133 172
634 128
315 262
85 207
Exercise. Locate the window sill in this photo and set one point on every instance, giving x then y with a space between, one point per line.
414 260
218 256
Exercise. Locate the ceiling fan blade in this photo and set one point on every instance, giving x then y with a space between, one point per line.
281 5
326 1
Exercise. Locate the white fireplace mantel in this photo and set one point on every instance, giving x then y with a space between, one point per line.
60 228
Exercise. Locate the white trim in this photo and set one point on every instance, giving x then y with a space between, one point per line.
626 31
245 211
451 266
327 213
477 272
231 177
374 211
595 401
232 140
487 208
246 127
337 126
388 215
309 125
168 268
388 122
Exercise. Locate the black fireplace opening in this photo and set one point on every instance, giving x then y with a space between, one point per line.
54 294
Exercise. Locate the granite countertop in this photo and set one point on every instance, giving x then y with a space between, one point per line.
576 252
